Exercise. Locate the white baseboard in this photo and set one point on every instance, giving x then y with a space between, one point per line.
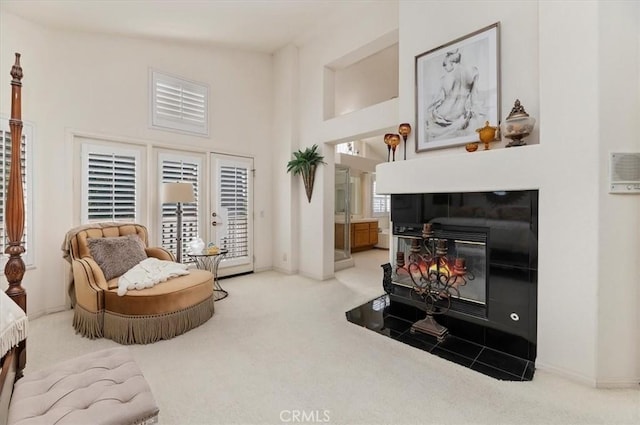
309 275
617 383
568 374
605 383
284 271
34 315
263 269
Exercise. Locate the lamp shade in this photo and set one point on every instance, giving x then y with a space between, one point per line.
177 192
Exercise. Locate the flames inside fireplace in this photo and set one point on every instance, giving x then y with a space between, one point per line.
466 249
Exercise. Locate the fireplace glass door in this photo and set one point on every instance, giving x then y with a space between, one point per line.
469 297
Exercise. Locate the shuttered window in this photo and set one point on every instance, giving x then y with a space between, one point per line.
234 200
178 104
26 175
188 169
381 203
110 183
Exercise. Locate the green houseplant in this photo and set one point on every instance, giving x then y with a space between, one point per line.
305 163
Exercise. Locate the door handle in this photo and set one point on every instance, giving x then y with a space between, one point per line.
215 223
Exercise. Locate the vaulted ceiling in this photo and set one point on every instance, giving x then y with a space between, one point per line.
258 25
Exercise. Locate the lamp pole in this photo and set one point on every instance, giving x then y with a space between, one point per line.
178 193
179 237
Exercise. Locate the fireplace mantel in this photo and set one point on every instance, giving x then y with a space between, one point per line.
515 168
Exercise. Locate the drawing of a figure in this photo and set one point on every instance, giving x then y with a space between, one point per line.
454 109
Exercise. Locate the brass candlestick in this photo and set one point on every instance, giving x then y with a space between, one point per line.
405 129
387 137
394 141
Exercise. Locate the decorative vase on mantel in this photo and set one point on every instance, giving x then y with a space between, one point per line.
487 134
517 125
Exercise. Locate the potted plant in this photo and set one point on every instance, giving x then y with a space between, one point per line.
305 163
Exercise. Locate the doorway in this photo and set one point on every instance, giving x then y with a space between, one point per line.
231 219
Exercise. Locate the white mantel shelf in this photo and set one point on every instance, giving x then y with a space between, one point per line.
516 168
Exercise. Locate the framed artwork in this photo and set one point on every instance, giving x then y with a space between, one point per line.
458 89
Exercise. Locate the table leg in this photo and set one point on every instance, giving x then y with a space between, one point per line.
218 292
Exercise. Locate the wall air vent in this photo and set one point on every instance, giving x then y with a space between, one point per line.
624 172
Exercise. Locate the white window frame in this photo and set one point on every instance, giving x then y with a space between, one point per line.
113 149
28 132
160 121
179 156
375 213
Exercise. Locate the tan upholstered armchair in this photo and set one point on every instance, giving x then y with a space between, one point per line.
142 316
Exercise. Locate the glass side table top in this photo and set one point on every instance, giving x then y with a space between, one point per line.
204 254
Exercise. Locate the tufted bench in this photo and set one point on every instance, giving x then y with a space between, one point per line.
104 387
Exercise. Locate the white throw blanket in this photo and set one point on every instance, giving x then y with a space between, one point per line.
13 324
148 273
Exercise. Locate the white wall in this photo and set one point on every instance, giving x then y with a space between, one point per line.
372 80
427 25
586 108
99 84
619 215
286 140
316 219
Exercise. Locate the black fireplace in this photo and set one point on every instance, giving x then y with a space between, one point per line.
496 233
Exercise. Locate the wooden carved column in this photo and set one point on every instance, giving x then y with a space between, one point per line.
14 214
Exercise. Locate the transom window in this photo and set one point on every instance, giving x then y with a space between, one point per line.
179 104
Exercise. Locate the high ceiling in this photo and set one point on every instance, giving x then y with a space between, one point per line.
258 25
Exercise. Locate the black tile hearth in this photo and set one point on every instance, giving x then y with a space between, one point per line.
453 357
494 372
418 340
460 346
511 364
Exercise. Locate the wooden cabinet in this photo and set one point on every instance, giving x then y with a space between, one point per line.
373 234
360 235
339 235
364 235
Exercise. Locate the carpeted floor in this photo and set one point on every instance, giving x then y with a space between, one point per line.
279 350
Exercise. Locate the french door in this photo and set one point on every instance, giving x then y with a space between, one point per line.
231 219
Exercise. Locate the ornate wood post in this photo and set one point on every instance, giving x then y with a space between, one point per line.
14 215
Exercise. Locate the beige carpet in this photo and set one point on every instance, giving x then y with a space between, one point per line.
281 344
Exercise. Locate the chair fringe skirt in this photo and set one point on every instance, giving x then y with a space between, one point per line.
87 323
127 329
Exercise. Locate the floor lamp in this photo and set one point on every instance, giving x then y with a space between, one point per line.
178 193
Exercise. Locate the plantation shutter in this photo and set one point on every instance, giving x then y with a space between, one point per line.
180 170
179 104
381 203
234 199
5 167
110 183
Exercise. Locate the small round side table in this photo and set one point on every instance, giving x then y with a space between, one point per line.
211 262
